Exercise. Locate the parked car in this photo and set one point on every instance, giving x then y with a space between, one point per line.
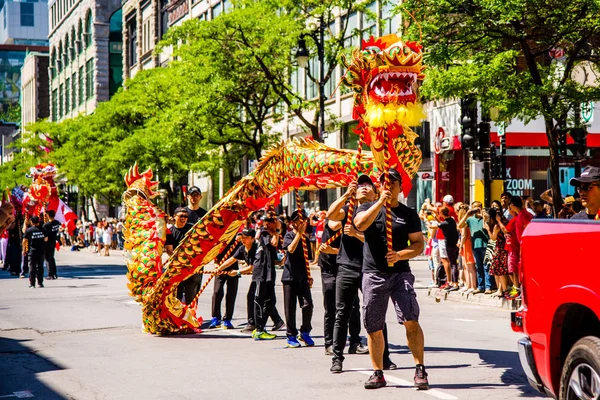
560 313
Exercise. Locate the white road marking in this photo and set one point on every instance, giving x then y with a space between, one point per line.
464 320
402 382
23 394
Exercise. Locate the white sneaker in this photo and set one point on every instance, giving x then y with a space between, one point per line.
432 285
470 291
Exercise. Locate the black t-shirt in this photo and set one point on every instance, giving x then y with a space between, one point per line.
404 222
351 248
583 215
52 229
448 226
328 262
241 254
195 215
219 258
295 265
175 235
265 258
35 239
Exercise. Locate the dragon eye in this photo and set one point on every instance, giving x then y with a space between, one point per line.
372 49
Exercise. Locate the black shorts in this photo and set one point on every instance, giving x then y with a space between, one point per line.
378 288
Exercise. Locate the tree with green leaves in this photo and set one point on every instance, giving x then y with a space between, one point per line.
499 52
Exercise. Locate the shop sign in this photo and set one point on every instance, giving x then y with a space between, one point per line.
427 175
587 112
517 187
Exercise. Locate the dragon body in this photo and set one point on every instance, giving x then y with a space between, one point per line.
302 164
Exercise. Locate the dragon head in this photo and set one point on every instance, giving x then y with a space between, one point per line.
384 75
141 183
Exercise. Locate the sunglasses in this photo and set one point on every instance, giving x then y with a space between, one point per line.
587 186
182 216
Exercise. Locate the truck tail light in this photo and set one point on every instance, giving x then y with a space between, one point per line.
516 321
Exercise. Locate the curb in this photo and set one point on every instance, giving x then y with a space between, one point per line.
478 299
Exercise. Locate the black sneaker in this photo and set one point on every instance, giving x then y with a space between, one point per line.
358 348
31 286
278 325
376 381
388 364
41 285
336 366
421 382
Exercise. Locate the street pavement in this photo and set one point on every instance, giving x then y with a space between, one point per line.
80 338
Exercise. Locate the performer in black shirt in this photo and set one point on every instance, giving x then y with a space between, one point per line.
35 240
51 227
382 282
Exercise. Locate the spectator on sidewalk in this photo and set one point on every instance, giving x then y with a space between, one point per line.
474 220
588 186
505 201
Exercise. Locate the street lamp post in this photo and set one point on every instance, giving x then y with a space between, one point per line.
302 57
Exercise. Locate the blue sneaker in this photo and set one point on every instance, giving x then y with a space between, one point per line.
227 324
214 323
292 342
305 339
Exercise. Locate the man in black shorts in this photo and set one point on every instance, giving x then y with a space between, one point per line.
382 282
35 242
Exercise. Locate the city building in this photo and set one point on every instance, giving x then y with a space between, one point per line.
35 95
12 57
85 55
24 22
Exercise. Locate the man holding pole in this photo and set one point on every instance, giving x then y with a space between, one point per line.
387 275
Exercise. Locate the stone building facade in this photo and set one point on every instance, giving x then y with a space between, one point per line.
82 48
34 88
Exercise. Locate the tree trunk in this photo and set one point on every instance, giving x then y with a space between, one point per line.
552 136
94 208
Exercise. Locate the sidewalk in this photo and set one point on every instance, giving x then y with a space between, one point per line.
478 299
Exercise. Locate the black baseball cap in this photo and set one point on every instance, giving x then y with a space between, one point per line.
180 210
589 174
248 232
194 189
394 176
297 214
364 178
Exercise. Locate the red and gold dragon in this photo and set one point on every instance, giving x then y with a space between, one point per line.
384 76
298 164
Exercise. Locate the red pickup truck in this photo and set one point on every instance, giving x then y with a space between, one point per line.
560 311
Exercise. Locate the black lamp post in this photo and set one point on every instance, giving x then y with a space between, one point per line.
302 58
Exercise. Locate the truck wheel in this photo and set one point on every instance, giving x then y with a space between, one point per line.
580 377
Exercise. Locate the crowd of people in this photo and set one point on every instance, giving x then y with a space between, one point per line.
471 249
477 250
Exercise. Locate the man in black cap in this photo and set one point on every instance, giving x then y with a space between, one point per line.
195 212
588 186
35 240
296 286
382 282
175 235
51 227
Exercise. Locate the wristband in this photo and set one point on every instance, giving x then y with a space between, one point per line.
239 273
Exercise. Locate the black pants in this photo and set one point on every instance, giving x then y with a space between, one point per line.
36 268
218 293
297 292
13 258
50 261
348 282
190 287
329 284
263 303
275 317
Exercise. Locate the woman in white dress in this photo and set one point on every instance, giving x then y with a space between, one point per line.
107 237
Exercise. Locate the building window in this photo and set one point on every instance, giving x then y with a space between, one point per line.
369 22
67 96
217 10
53 65
88 29
164 17
80 40
66 54
227 5
74 91
89 78
59 57
54 103
389 21
72 45
26 14
81 86
132 33
60 100
351 39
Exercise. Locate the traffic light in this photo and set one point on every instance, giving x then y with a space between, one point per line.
468 122
495 162
483 136
562 142
579 145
